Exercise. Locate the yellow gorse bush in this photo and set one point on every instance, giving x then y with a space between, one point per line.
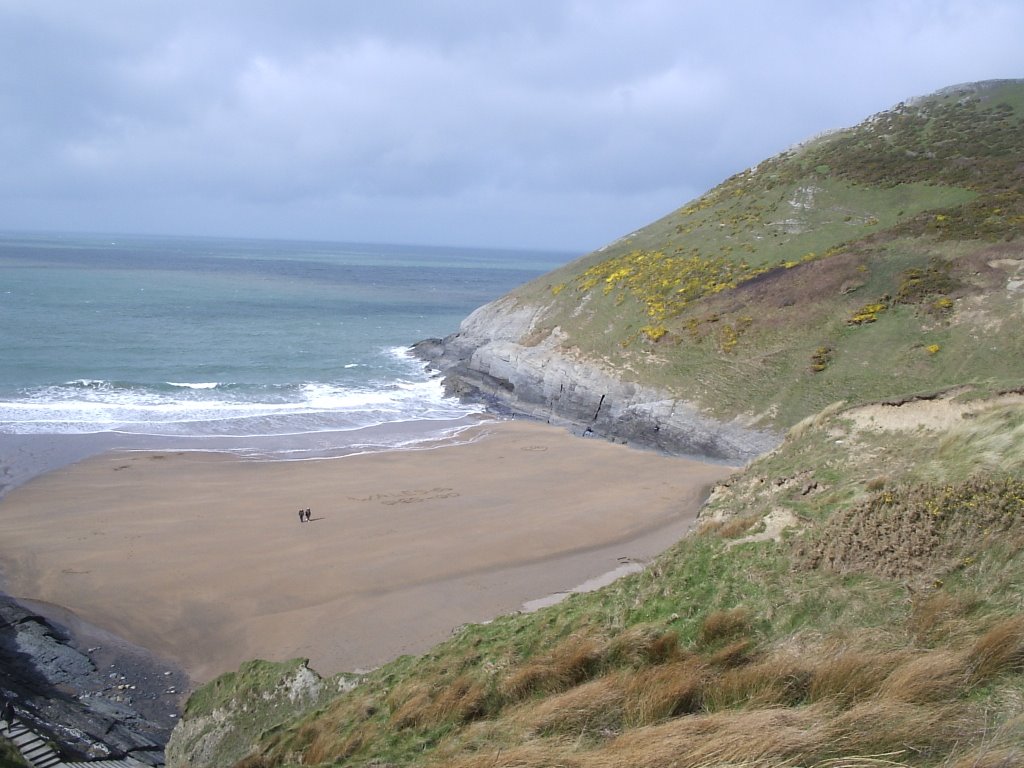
665 285
867 314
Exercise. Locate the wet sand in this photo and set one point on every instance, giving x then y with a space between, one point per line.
201 557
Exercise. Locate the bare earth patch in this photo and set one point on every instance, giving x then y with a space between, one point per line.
936 415
775 522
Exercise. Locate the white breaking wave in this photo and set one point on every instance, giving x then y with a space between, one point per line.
200 385
204 410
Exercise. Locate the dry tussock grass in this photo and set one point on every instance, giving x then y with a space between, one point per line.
593 707
1002 747
547 754
642 645
568 664
764 737
873 734
992 757
1000 649
787 708
780 680
938 675
409 705
327 746
460 700
669 690
733 655
851 675
939 616
719 626
882 725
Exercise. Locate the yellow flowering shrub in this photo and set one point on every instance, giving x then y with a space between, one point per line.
867 314
665 284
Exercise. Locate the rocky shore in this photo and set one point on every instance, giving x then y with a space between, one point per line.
499 358
93 695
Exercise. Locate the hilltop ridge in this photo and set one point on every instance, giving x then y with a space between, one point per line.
715 328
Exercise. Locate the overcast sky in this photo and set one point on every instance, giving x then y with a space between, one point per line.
527 123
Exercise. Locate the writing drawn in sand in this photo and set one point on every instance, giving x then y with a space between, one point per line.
409 497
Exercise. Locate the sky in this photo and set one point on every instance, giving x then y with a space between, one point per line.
538 124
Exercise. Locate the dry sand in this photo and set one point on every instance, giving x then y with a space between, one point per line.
201 557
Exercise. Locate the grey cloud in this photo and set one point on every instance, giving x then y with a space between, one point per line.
535 123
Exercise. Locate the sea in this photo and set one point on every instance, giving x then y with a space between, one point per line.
266 348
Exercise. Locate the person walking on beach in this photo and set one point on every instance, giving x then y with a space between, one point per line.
309 514
302 515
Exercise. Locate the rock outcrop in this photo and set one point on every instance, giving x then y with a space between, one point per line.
499 357
227 717
57 690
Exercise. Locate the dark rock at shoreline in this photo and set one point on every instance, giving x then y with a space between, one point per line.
99 702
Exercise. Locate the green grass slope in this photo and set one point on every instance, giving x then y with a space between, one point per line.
854 598
775 293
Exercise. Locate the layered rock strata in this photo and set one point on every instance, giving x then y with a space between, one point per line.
499 357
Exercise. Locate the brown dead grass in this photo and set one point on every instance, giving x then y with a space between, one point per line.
819 704
733 655
999 650
409 705
750 738
881 726
873 733
720 626
851 676
325 745
594 707
825 703
547 754
939 675
642 645
779 680
664 691
570 663
992 757
459 700
462 700
940 616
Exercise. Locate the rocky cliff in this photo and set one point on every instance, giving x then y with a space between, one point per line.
500 356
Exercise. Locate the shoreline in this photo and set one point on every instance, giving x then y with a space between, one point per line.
27 456
409 544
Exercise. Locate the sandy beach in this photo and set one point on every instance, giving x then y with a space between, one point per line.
201 557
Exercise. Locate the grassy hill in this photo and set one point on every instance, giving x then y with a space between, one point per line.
855 597
773 294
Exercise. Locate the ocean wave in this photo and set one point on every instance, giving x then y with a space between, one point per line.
190 385
173 409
